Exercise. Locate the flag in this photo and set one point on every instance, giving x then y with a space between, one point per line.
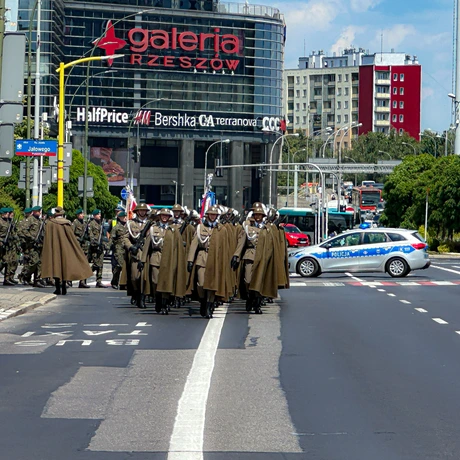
209 199
130 204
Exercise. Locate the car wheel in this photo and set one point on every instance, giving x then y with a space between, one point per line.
397 267
308 268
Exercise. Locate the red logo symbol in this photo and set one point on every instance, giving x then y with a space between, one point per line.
109 42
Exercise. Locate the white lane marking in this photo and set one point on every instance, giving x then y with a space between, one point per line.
439 321
446 269
297 284
408 283
455 266
443 283
372 283
421 310
457 332
391 295
354 277
405 301
187 438
381 290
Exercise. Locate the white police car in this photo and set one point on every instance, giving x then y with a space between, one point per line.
392 250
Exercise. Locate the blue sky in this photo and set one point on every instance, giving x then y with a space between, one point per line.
416 27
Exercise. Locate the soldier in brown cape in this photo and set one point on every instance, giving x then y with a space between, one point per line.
258 277
62 257
131 277
163 263
281 249
208 263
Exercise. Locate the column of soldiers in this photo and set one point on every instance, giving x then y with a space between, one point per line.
166 257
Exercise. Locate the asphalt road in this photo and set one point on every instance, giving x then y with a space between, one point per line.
340 368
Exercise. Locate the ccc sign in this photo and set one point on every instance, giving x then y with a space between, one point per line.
273 124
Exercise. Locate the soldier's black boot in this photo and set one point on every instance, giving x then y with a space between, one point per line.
164 306
209 309
8 282
203 307
83 285
257 305
57 283
140 300
158 303
64 287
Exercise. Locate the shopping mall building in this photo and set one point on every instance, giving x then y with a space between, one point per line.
192 73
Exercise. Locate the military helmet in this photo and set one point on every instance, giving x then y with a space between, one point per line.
259 210
141 207
213 210
178 207
165 212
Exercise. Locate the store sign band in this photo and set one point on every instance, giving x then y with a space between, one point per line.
178 120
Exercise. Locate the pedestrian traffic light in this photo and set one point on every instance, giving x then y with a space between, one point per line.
260 172
135 153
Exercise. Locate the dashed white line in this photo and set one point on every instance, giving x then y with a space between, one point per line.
439 321
381 290
457 332
421 310
446 269
354 277
391 295
405 301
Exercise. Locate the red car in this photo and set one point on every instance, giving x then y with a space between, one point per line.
295 237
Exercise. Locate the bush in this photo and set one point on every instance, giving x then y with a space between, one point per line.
443 248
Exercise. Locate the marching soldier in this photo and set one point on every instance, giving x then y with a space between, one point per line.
163 263
33 234
133 242
208 263
96 246
118 235
80 230
256 249
7 245
12 249
24 249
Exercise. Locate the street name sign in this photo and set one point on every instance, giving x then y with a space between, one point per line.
31 148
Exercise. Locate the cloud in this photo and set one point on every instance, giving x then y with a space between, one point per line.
394 37
361 6
316 14
346 39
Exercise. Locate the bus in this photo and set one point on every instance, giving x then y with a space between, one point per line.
306 220
365 200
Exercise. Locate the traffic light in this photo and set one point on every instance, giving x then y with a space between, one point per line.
135 153
260 172
217 169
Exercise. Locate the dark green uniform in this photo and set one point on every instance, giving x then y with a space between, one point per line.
32 235
8 248
96 248
117 236
24 250
79 227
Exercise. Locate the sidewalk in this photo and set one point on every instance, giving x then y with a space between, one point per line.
15 301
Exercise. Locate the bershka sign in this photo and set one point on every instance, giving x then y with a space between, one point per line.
178 120
149 48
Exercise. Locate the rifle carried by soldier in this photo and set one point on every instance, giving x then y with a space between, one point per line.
85 232
141 240
187 220
41 233
10 230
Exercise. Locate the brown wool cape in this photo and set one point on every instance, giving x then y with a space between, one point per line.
281 257
62 256
264 275
172 272
216 276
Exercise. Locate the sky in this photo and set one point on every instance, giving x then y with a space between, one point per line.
416 27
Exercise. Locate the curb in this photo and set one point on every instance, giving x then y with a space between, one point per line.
446 255
27 306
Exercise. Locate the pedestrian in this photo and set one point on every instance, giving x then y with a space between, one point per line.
33 234
208 263
163 264
62 258
118 235
96 248
80 230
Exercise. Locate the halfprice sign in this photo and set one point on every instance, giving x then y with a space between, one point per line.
32 148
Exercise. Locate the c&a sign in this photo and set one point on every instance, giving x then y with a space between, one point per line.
151 47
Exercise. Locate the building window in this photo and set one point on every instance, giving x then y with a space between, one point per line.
339 91
297 93
304 120
401 104
339 78
339 119
297 120
304 106
346 77
317 92
345 144
345 104
401 91
395 118
395 77
339 105
401 131
304 93
297 80
346 91
401 77
395 90
297 107
345 119
304 80
395 104
401 118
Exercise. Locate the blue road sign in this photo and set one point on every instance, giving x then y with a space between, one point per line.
30 148
124 194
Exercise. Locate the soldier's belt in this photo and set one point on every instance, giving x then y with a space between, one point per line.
204 249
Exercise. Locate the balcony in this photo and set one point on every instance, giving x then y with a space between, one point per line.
382 95
318 97
327 110
382 109
383 82
318 84
382 122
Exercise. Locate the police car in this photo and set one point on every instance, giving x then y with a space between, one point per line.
395 251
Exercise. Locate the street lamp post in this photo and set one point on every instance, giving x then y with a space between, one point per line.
296 175
356 174
175 194
271 161
386 153
224 141
410 145
434 140
60 158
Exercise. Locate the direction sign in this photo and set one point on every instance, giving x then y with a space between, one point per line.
30 148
